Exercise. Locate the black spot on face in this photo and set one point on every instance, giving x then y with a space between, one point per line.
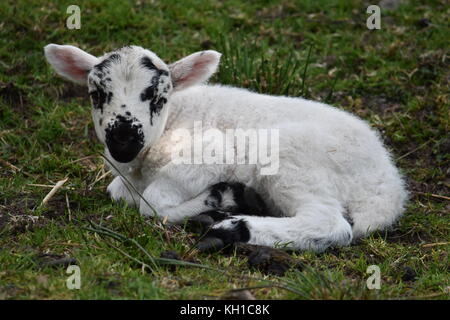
149 92
100 122
99 97
123 106
128 113
106 63
156 101
146 62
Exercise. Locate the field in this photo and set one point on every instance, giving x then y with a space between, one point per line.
396 78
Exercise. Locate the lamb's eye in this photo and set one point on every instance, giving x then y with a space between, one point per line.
94 98
99 97
148 93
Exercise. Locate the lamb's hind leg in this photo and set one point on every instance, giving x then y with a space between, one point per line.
213 204
316 225
226 199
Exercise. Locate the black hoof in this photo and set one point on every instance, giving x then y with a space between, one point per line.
199 224
210 244
218 238
202 222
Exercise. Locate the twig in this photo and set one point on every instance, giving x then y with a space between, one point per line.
40 185
103 176
52 192
432 195
8 164
68 208
84 158
47 186
16 169
435 244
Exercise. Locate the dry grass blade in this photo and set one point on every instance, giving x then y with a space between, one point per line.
414 150
52 192
10 165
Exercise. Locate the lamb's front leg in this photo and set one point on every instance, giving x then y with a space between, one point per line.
179 192
171 204
119 189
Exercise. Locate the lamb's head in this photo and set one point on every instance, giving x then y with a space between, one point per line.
130 89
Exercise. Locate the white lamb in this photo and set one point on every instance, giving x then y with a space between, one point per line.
335 182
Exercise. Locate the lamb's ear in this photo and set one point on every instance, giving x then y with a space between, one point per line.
193 69
70 62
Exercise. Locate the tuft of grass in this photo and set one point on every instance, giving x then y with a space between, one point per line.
266 73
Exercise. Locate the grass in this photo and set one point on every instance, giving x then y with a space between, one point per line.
396 78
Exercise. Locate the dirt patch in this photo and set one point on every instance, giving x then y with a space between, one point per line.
238 295
408 274
22 223
56 207
365 103
13 96
54 260
110 282
428 186
267 260
71 91
3 220
10 291
19 216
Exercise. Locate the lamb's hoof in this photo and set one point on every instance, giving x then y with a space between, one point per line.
267 260
199 224
228 231
210 244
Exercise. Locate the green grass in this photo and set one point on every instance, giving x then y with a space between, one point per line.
397 78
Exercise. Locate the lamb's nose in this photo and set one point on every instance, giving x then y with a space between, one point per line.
123 135
124 140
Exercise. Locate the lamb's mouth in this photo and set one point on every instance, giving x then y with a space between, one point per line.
125 153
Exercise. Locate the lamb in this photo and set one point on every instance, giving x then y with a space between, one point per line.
336 182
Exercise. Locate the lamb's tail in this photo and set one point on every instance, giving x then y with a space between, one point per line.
379 208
